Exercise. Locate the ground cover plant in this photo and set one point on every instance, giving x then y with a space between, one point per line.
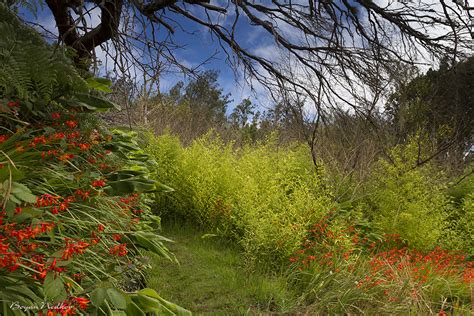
74 223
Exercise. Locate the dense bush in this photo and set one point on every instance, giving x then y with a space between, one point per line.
459 230
73 222
263 197
406 200
377 254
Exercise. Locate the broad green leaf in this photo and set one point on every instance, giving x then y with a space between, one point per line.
26 197
134 310
94 101
117 298
101 84
98 296
53 286
178 310
152 244
151 305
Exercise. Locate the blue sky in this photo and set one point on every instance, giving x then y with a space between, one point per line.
198 45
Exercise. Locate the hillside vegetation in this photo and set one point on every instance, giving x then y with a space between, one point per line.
172 205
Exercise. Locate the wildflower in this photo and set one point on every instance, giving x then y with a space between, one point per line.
71 124
120 250
59 135
117 237
66 157
73 135
83 302
13 104
73 248
101 228
77 277
3 138
98 183
84 146
55 116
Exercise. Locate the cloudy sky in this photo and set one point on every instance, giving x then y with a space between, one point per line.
198 45
197 48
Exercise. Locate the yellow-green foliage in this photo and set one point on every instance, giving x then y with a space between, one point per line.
460 222
264 197
407 200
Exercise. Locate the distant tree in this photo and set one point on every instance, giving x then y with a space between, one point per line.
441 103
190 109
204 95
242 113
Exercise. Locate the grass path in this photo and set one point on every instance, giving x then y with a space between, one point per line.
211 278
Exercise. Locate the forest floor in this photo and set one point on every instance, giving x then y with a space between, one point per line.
211 278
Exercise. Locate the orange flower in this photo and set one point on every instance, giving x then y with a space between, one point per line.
98 183
83 302
71 123
120 250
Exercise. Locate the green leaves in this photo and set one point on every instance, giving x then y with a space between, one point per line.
22 193
100 84
152 242
88 102
113 301
54 287
16 192
150 302
117 298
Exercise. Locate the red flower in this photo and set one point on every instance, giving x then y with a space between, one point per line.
117 237
82 301
59 135
66 157
77 247
55 116
3 138
84 146
98 183
101 228
13 104
18 210
71 124
120 250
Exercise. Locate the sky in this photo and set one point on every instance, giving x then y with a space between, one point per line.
198 45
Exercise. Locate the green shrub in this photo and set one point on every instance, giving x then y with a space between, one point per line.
263 197
407 200
459 232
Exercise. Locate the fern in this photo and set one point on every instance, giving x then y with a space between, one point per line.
30 69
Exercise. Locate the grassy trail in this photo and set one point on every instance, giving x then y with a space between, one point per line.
211 278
